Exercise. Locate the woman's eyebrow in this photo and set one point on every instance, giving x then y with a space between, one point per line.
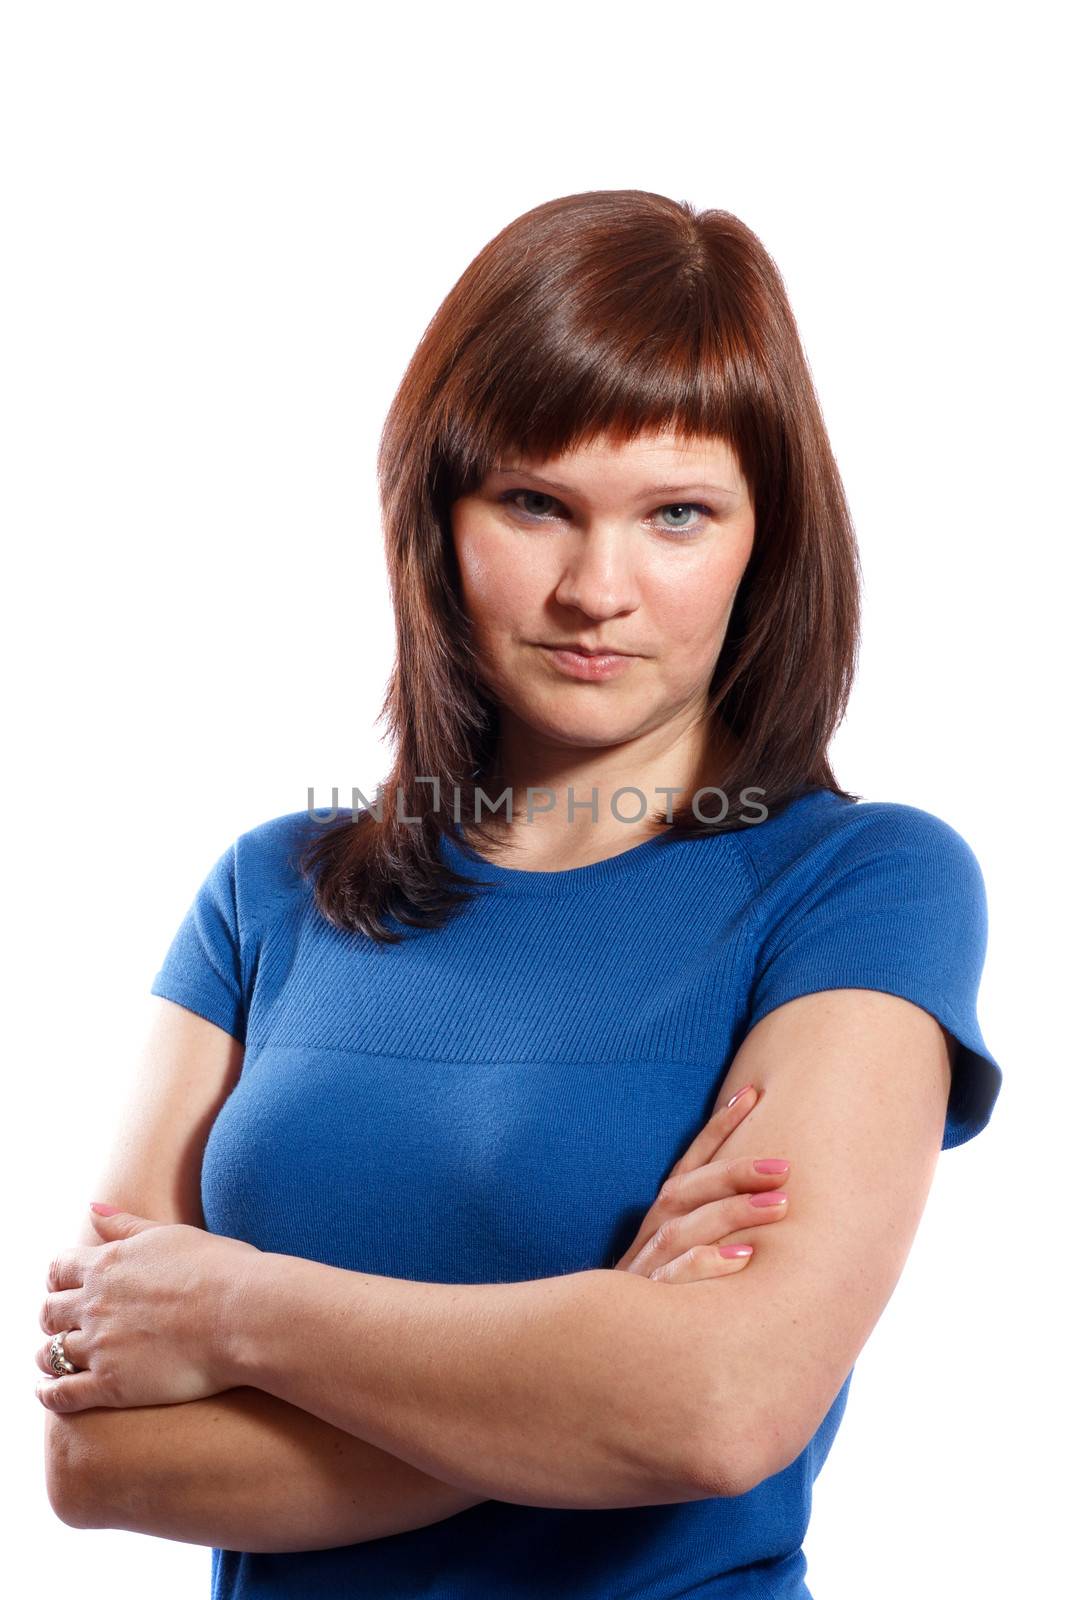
642 494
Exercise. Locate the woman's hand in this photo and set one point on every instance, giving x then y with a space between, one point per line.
702 1201
142 1314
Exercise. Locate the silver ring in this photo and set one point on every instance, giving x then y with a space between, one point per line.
57 1356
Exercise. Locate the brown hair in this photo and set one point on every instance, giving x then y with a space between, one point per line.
599 315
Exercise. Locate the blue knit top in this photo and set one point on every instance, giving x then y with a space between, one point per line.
500 1099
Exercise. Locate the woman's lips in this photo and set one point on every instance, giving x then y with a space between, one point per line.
592 669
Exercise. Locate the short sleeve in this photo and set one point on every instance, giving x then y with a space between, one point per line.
895 901
202 970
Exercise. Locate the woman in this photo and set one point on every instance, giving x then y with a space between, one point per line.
417 1284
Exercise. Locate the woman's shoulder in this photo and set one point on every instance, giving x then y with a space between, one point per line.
876 894
823 832
267 867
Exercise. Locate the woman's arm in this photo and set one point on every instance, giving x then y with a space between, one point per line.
240 1471
603 1389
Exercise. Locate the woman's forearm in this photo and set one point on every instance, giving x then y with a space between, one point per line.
241 1470
585 1391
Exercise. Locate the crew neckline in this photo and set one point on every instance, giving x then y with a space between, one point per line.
571 880
535 881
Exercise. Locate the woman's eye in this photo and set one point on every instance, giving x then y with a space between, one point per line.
515 495
686 505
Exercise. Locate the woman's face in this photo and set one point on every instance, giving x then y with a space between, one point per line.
637 547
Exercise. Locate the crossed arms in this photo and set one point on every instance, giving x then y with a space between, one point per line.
854 1091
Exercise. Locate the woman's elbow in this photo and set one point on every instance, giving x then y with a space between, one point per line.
73 1470
747 1435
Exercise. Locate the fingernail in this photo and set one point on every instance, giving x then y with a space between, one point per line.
738 1095
771 1165
733 1250
773 1197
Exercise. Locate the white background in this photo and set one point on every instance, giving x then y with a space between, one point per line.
226 226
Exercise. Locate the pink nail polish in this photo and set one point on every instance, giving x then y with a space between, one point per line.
101 1209
731 1251
738 1095
771 1164
773 1197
